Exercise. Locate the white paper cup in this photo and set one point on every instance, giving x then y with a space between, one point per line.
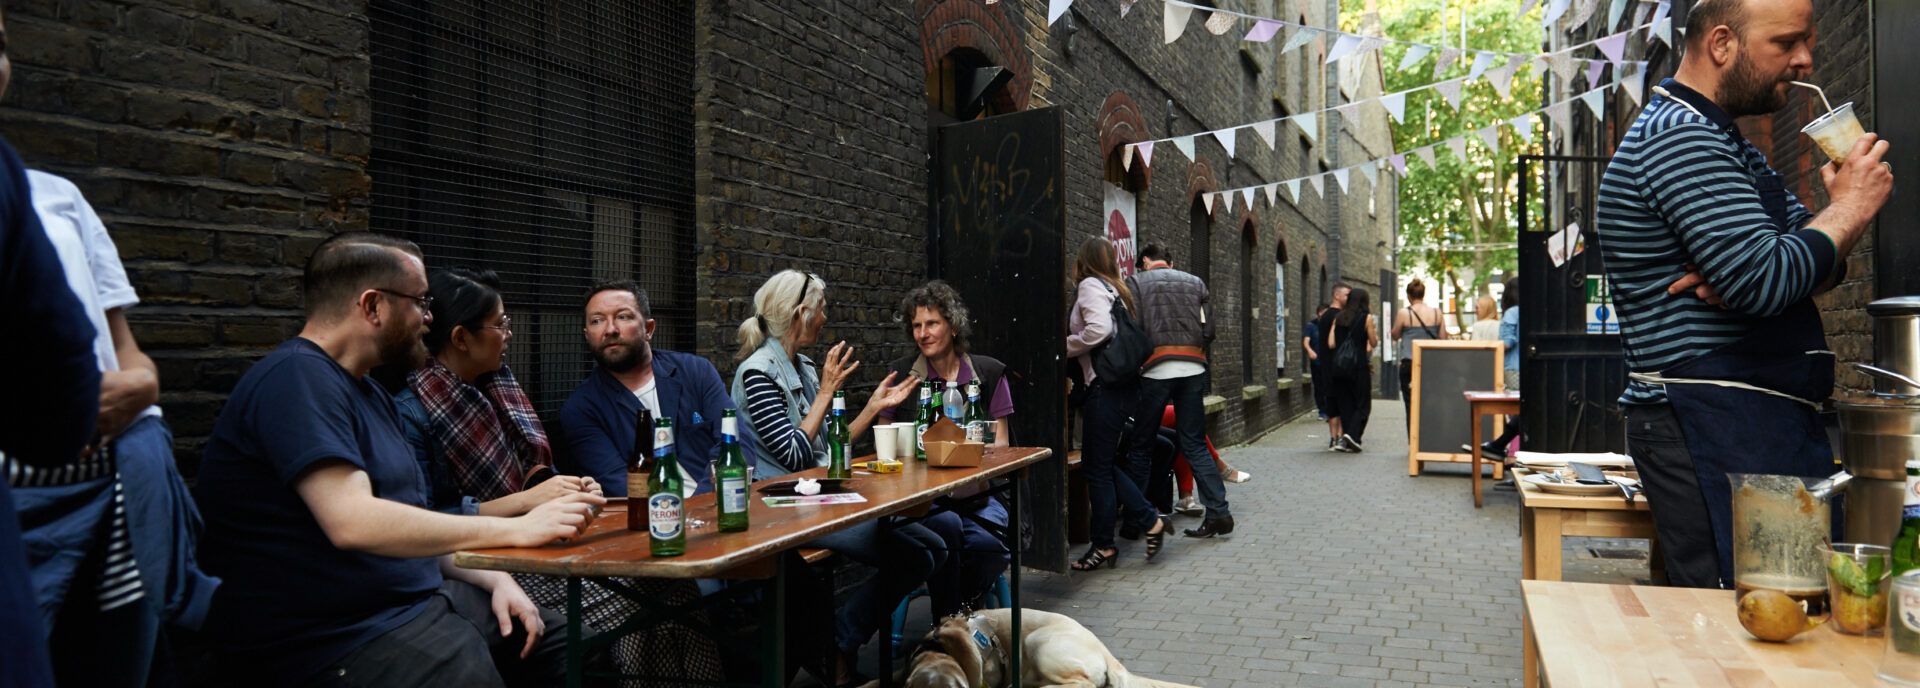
1835 132
909 439
884 441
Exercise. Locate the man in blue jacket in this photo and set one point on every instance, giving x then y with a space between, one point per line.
598 420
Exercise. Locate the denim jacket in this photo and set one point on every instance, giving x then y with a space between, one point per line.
800 383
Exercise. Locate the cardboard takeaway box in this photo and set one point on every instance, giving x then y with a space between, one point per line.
947 446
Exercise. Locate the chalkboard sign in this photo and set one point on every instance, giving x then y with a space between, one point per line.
1443 370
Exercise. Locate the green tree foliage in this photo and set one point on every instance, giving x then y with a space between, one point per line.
1467 201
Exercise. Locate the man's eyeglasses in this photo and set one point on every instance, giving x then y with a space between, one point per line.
424 303
506 325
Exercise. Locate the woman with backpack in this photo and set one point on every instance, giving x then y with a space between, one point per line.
1415 322
1092 330
1350 343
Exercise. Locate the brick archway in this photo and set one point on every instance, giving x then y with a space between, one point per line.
1120 124
949 25
1200 180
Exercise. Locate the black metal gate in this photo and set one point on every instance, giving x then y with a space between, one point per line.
1571 376
998 234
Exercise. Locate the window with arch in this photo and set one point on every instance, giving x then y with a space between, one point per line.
1121 204
1199 242
1249 237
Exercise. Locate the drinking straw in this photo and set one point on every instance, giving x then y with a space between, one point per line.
1816 89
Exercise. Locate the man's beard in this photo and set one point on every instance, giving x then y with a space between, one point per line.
402 346
1746 91
637 354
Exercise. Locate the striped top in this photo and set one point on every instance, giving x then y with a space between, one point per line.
1684 189
117 582
787 444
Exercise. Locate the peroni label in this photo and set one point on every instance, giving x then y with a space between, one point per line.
664 516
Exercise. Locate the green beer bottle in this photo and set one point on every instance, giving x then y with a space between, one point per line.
730 477
925 420
839 461
976 415
1906 544
666 509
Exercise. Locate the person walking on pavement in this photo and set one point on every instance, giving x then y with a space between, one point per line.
1324 379
1174 312
1713 265
1352 385
1508 332
1311 344
1415 322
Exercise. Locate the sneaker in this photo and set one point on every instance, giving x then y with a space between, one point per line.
1353 443
1340 445
1506 485
1333 444
1189 507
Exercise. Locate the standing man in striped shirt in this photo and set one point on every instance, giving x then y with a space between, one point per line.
1714 265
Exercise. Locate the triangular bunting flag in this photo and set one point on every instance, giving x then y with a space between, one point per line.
1415 53
1340 175
1370 45
1208 200
1450 90
1425 154
1246 196
1614 10
1459 146
1527 5
1227 137
1447 57
1523 127
1318 184
1224 202
1664 31
1309 125
1581 15
1351 111
1299 38
1640 14
1554 11
1125 6
1343 45
1126 159
1146 152
1396 105
1185 145
1563 65
1219 23
1055 8
1561 115
1502 78
1265 131
1293 189
1491 135
1175 15
1273 194
1399 163
1633 82
1596 101
1480 64
1614 47
1659 15
1263 31
1594 68
1371 170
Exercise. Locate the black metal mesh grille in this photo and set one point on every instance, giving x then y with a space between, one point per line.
551 142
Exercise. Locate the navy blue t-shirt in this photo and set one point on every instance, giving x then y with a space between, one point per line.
292 602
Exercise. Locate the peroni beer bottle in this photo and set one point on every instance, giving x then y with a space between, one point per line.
666 509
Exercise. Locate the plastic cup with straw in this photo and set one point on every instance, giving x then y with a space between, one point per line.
1835 131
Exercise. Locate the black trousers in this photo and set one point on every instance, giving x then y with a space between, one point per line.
456 642
1352 399
1659 451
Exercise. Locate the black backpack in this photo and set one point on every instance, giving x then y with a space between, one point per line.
1118 360
1349 358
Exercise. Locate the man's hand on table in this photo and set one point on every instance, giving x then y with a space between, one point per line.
563 517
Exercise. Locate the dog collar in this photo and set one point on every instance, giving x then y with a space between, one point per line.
991 642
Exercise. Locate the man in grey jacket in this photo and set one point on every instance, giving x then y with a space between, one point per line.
1173 310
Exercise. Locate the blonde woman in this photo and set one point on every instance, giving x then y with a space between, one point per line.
1486 324
785 400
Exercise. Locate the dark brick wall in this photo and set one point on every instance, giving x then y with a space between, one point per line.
220 141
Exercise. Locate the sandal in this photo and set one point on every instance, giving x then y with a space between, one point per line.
1094 558
1235 475
1156 540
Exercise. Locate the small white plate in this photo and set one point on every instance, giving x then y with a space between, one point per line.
1572 489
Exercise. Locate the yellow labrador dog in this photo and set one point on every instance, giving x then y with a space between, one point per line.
971 652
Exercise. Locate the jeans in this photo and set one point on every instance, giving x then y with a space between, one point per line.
1659 451
164 524
1103 418
974 556
905 555
456 641
1190 428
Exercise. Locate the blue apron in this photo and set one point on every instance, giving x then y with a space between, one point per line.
1770 424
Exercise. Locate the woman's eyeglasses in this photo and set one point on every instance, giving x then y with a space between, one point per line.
505 326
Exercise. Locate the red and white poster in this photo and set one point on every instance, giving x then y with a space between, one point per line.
1120 206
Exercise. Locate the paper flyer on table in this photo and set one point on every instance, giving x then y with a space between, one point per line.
810 500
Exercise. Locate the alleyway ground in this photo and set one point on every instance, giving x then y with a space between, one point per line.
1342 571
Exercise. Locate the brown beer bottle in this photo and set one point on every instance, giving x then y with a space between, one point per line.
637 468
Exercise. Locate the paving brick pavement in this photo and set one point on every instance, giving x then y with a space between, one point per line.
1342 571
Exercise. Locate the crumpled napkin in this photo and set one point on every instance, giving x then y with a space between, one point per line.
807 486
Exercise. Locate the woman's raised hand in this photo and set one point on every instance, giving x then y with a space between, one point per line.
835 369
890 394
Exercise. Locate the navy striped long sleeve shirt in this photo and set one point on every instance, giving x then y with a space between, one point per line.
1684 189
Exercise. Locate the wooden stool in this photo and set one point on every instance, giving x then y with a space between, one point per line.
1481 404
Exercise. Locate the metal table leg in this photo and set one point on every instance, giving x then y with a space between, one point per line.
1013 572
773 629
576 646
